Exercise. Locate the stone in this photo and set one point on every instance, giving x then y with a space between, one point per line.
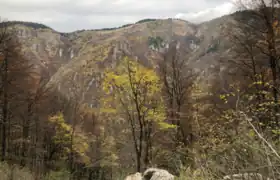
157 174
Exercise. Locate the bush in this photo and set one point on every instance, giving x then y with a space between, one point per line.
58 175
198 174
14 173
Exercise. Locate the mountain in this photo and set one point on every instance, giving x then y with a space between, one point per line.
66 131
80 57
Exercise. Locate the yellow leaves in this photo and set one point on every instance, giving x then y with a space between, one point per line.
129 77
222 97
225 96
58 119
62 129
276 131
251 133
108 110
81 146
258 83
131 85
64 136
164 125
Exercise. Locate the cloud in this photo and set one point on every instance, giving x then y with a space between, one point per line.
70 15
208 14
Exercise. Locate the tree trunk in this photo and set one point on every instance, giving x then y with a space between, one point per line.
25 133
138 161
148 147
4 108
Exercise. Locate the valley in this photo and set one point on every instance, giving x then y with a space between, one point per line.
198 100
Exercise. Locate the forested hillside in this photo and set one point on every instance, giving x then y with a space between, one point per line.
198 100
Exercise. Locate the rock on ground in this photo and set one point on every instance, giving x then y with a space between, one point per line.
157 174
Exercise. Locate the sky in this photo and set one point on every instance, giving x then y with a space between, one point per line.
71 15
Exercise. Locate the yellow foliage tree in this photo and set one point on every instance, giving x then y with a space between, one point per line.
132 91
63 137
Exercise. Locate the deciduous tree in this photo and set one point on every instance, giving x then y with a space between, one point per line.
133 91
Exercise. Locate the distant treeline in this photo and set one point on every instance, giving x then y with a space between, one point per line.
42 26
28 24
123 26
126 25
114 28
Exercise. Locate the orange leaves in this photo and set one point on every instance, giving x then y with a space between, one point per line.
275 24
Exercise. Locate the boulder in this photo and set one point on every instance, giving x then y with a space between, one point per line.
157 174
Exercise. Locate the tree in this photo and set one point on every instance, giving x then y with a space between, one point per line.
13 77
156 43
178 80
133 91
249 85
255 35
65 141
34 96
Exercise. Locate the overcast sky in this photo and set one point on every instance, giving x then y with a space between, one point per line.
71 15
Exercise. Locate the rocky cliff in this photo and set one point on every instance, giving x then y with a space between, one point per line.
80 57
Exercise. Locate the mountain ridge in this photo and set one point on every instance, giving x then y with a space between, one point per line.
37 25
81 56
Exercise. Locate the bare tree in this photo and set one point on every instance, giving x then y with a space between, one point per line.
13 75
255 36
178 79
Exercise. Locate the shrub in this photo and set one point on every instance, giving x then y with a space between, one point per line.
14 173
58 175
